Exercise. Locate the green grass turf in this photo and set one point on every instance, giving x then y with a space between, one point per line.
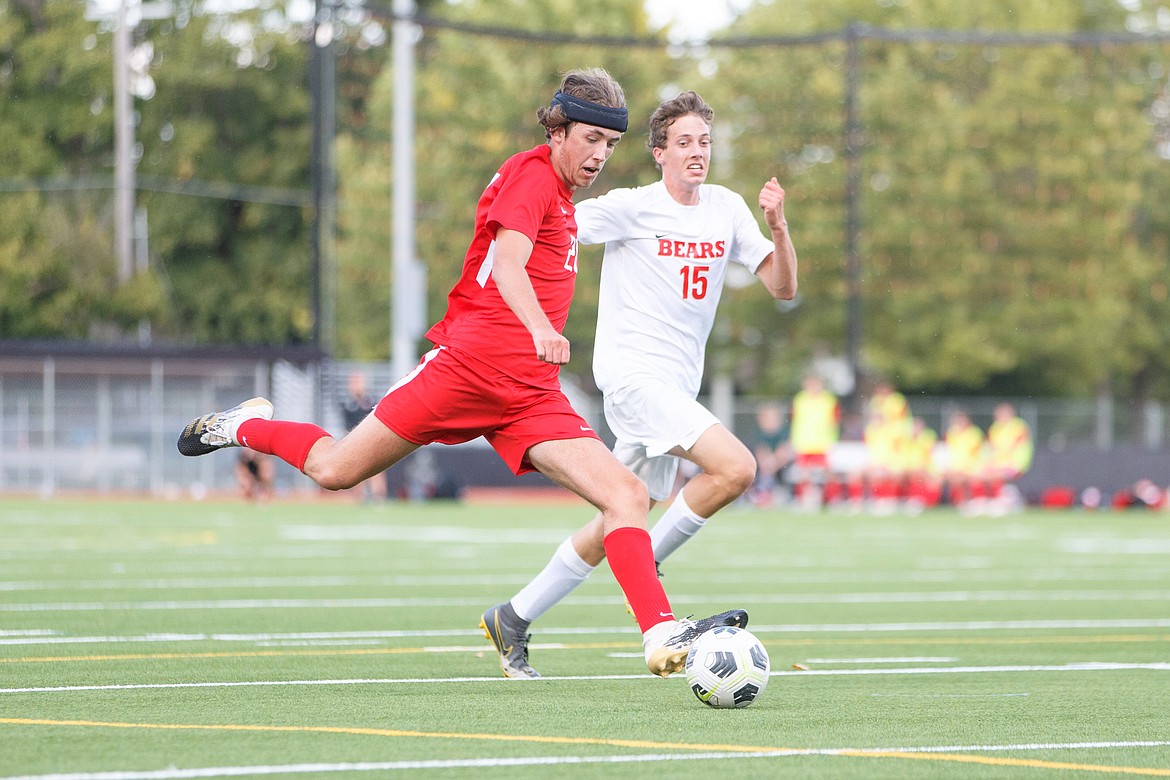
1028 646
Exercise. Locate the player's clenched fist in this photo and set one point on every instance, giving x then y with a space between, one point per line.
551 347
772 202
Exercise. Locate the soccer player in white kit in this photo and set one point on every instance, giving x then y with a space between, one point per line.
667 250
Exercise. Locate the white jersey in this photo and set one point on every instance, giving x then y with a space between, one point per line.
662 277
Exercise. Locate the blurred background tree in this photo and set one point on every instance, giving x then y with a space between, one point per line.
1012 192
56 257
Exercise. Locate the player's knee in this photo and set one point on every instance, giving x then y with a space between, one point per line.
735 476
630 492
329 477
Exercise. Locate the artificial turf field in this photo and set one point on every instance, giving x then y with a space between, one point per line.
312 639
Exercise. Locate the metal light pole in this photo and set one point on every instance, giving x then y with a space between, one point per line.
322 175
125 15
409 300
853 144
123 147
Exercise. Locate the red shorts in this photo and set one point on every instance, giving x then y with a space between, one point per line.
812 460
451 399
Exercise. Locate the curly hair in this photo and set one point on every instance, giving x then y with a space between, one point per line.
669 111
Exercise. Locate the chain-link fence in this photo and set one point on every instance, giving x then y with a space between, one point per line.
107 422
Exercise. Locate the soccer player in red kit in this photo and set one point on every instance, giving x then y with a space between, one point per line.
494 371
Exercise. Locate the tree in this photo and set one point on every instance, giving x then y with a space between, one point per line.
1014 205
999 189
56 255
476 98
230 110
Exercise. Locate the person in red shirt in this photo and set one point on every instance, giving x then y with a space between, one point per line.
494 371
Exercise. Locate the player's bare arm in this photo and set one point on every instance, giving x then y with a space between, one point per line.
778 271
508 271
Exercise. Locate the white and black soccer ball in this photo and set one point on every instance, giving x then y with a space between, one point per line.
727 667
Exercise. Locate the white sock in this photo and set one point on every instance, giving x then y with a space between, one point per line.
677 524
564 572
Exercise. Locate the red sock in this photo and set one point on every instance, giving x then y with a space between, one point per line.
289 441
631 558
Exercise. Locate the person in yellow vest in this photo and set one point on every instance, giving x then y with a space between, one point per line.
886 403
816 427
923 480
887 433
1010 451
965 463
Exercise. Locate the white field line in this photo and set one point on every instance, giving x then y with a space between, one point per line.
45 637
174 773
906 660
422 534
842 577
907 597
387 766
1096 666
241 583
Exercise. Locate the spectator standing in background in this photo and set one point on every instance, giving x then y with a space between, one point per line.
888 405
1010 450
255 474
772 447
965 463
923 482
887 433
816 428
356 407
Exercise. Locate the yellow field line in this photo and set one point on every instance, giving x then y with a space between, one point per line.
287 653
627 743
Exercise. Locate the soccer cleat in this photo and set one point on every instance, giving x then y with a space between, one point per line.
510 636
217 430
668 643
737 618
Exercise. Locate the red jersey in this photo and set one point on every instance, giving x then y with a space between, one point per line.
526 195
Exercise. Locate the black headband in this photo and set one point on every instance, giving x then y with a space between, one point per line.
579 110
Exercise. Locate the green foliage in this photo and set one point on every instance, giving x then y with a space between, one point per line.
56 260
238 270
1014 199
1000 187
53 78
476 99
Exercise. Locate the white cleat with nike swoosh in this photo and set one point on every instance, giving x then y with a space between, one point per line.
217 430
668 643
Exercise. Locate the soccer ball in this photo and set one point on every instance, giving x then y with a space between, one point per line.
727 667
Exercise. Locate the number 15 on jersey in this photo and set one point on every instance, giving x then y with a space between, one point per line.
694 285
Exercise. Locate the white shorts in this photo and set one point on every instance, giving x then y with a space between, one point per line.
648 421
